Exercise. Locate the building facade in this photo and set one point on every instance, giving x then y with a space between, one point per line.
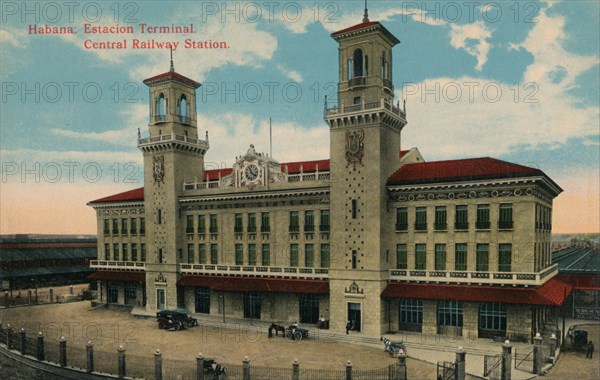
374 235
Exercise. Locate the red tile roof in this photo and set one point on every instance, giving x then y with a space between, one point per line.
589 281
217 173
172 74
552 293
307 166
402 153
459 170
108 275
127 196
256 284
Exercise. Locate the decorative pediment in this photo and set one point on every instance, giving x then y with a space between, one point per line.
353 289
254 170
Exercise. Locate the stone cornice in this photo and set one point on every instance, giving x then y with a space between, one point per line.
318 192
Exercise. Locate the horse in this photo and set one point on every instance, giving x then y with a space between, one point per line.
277 329
394 348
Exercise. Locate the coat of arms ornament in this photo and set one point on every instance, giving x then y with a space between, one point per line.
158 169
355 147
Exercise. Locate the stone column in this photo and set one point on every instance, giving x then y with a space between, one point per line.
8 336
63 351
158 365
506 361
295 370
23 340
459 365
537 354
348 370
553 345
41 355
402 367
200 367
89 354
6 301
246 363
121 354
71 289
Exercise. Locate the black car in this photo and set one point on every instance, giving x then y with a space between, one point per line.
177 319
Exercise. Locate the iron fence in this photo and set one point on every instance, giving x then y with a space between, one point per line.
179 369
492 367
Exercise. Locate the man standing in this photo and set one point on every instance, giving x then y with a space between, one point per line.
590 350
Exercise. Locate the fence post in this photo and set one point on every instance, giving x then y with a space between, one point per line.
89 351
506 361
348 370
30 297
158 365
537 354
41 355
459 365
121 354
6 302
295 370
402 366
200 367
63 351
51 295
553 343
8 336
23 340
246 363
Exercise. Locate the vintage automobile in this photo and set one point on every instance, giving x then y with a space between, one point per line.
177 319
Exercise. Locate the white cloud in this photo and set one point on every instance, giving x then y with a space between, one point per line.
292 74
472 38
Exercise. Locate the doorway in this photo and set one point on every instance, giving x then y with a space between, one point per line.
354 316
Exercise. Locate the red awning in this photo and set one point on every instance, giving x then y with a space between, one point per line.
109 275
263 285
552 293
581 281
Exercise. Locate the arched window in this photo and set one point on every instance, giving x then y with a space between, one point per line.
160 105
183 106
358 62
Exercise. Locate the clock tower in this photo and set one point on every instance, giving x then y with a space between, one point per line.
173 154
365 127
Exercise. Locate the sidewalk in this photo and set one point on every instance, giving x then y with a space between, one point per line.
428 348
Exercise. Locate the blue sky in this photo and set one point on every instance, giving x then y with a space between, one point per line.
512 80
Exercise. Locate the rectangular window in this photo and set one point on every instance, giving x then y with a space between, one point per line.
401 256
125 252
401 219
133 227
354 209
107 251
506 216
354 259
134 252
106 226
251 254
294 222
440 257
309 255
461 217
239 254
214 253
201 224
189 224
159 217
483 258
294 255
252 222
504 257
115 226
143 252
266 255
440 223
460 256
420 256
190 253
203 300
324 226
324 255
265 222
309 221
116 251
450 313
142 226
483 217
214 227
124 226
421 219
202 253
239 224
411 311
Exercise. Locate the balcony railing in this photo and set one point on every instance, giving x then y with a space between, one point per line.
258 271
505 225
381 105
357 82
172 137
300 177
454 276
461 226
121 265
324 228
294 229
482 225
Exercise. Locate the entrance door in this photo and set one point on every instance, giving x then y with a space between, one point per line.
309 308
252 305
113 292
160 299
354 316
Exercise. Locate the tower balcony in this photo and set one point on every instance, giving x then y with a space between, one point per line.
172 140
381 105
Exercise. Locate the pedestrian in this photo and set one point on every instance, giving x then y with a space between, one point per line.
348 326
590 350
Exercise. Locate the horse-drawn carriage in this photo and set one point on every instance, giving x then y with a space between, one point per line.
394 348
292 332
213 368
